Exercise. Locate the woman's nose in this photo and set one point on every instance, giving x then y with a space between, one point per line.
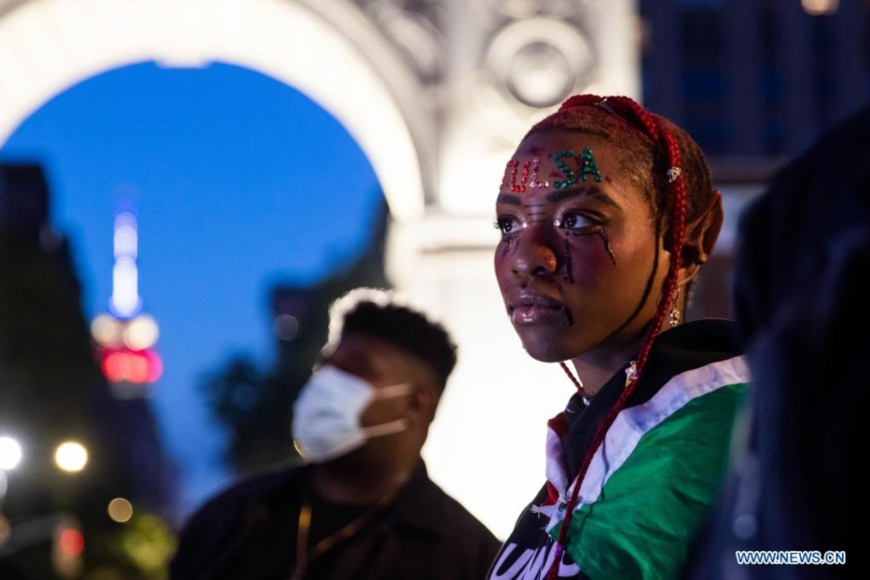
534 255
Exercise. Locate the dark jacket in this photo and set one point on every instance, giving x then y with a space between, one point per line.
654 479
248 532
802 303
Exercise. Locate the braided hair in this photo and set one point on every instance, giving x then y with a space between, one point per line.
669 167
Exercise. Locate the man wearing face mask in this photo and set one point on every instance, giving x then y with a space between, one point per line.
362 506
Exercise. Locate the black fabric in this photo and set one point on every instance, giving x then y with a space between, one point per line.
249 532
331 516
824 191
802 301
688 346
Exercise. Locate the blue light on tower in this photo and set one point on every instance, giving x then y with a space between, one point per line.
126 335
125 302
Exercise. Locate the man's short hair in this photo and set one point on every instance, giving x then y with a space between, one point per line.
388 316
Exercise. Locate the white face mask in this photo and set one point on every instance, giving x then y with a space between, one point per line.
326 415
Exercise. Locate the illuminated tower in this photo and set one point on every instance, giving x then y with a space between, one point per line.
126 335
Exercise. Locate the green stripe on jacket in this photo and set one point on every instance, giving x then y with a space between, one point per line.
651 506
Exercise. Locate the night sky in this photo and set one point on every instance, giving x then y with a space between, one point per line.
239 183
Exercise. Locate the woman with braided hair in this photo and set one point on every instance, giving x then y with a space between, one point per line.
607 212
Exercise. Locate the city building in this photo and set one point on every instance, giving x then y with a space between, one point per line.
81 448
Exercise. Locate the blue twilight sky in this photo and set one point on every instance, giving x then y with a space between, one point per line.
240 182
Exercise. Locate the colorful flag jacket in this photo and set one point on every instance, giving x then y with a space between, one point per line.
655 477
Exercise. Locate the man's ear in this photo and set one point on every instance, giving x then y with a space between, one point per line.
424 400
701 236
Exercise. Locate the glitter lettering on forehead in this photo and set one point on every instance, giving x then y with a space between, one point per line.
521 176
587 167
518 177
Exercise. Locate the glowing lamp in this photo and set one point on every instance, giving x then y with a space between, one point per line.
106 330
10 453
120 510
71 542
141 332
71 456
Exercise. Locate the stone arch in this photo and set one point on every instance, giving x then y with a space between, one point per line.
329 51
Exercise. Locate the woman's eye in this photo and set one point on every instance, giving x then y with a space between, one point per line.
507 225
573 221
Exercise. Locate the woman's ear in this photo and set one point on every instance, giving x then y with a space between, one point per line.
701 236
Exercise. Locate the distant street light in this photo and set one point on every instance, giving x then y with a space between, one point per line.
71 456
120 510
10 457
10 453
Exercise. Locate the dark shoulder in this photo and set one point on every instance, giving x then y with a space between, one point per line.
452 515
451 505
256 486
219 523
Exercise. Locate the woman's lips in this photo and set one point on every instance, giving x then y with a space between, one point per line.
532 308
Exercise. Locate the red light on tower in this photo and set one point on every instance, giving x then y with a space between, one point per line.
122 365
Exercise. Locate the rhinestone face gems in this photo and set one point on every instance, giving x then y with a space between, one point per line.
588 166
570 178
520 176
534 183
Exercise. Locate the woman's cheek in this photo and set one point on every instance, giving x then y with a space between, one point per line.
504 249
588 253
500 254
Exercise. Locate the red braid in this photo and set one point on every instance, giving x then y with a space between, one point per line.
662 137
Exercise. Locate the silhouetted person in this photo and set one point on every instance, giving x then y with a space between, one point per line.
802 303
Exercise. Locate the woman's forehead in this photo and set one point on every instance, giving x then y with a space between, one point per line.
548 142
558 160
